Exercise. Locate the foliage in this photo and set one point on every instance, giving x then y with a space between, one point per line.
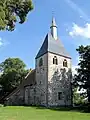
13 71
82 79
77 97
12 11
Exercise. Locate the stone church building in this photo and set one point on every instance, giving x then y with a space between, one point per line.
49 84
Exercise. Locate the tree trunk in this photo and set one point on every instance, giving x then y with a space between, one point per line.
88 94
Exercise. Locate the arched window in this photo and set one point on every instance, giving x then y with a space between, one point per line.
40 62
65 63
55 61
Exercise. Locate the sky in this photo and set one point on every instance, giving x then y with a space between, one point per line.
73 21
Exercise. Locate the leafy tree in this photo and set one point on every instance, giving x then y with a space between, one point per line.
82 79
78 98
13 71
12 11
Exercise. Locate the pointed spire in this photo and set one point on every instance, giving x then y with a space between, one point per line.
54 29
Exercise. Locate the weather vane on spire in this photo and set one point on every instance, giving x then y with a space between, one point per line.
53 13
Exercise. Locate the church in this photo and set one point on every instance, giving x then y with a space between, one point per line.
49 84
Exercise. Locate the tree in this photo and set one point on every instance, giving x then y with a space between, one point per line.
78 98
82 79
13 72
12 11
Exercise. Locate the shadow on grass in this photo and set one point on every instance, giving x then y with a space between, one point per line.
82 109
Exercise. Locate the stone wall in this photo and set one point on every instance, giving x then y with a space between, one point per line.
29 95
59 79
16 99
41 80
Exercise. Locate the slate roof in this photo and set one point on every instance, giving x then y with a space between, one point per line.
53 46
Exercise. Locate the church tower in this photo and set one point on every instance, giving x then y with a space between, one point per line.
53 71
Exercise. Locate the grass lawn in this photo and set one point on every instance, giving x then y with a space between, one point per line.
34 113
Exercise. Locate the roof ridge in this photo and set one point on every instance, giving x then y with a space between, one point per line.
30 72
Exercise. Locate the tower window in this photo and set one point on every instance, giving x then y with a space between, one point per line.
55 61
40 62
59 95
65 63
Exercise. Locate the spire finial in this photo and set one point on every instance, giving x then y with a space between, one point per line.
54 28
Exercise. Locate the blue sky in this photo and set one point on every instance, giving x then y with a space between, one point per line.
73 20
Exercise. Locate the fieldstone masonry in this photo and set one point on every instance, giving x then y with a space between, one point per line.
59 80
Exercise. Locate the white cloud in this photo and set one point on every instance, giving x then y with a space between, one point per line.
3 42
81 16
80 31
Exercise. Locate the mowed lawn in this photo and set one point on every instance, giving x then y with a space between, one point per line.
34 113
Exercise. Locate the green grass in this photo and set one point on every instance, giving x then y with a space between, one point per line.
34 113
